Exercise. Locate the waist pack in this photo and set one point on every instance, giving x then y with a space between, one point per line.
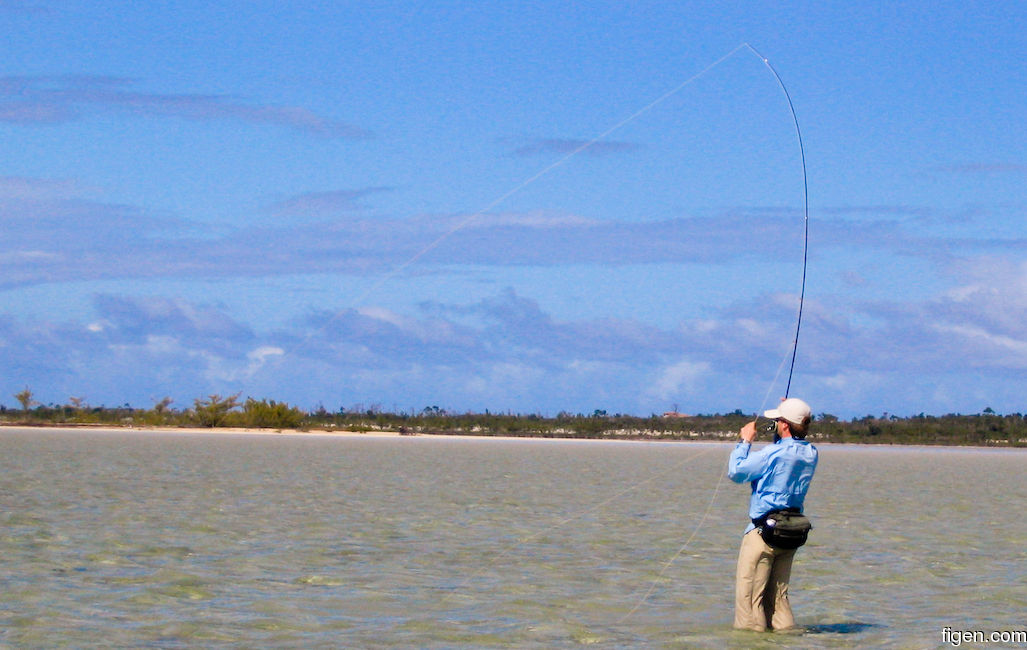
787 528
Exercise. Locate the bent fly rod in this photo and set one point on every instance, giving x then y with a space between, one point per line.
805 201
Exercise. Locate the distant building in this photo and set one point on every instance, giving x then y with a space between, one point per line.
675 414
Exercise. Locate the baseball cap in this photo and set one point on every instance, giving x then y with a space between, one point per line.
792 410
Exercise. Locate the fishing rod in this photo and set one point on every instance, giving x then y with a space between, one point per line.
805 200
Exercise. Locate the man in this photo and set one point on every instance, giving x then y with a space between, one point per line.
780 475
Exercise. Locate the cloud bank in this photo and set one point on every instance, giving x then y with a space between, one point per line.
505 353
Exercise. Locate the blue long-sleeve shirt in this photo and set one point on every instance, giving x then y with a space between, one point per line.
780 474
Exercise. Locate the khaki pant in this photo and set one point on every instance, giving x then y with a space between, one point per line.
761 585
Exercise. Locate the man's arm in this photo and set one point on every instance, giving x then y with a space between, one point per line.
748 432
741 467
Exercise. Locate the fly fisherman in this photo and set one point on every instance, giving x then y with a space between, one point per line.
780 474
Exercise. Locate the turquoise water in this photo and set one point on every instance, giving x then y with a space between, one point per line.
131 539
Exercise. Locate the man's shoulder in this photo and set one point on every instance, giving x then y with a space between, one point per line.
801 448
811 452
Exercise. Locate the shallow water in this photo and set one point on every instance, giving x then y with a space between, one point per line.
175 540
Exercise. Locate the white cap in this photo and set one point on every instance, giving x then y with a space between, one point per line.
792 410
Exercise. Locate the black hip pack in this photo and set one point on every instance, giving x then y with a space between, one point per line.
786 528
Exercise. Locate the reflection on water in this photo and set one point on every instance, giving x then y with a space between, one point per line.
172 540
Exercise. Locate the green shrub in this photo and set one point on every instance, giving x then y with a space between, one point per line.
213 411
268 414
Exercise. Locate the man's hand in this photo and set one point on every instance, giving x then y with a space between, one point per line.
748 432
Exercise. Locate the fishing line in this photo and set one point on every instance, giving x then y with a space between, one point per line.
673 558
514 190
524 540
795 341
773 382
702 520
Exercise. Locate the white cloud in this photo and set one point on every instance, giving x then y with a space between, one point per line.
386 315
264 352
674 381
987 348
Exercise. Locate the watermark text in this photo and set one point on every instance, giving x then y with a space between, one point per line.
956 638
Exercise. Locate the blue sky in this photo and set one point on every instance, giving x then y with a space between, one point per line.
387 204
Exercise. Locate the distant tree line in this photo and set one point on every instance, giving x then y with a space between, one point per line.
983 429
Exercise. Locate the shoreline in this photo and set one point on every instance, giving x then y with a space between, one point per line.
321 433
351 435
113 428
